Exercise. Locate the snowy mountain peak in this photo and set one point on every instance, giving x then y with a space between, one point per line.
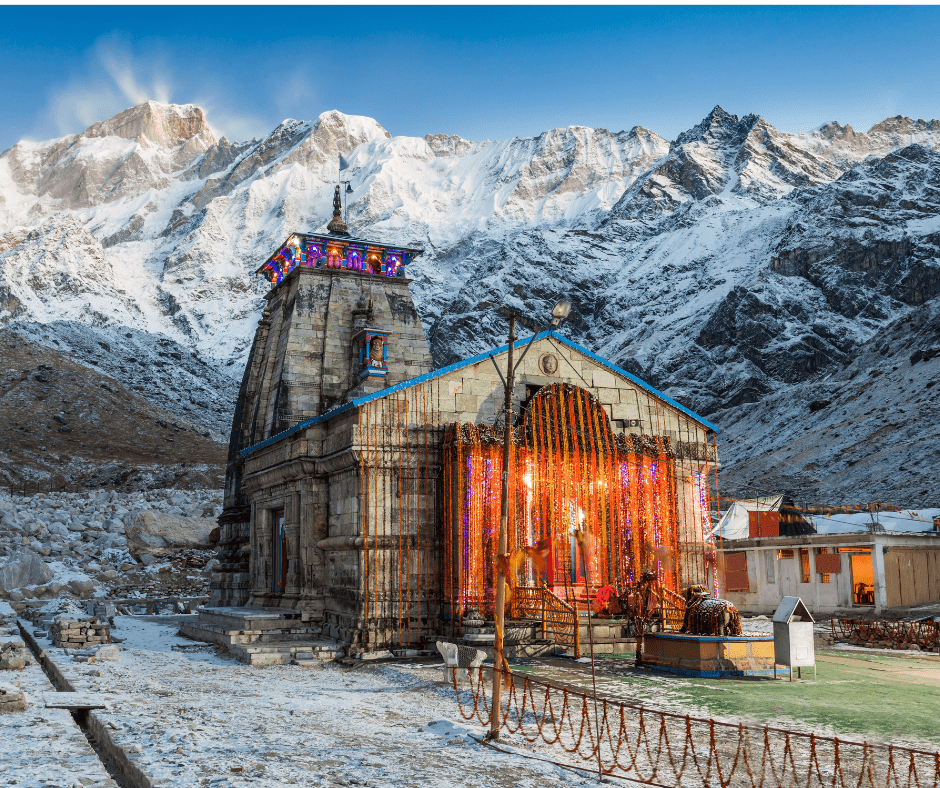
740 162
356 127
442 145
717 125
165 125
834 130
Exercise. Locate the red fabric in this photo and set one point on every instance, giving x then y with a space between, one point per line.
829 564
763 524
603 598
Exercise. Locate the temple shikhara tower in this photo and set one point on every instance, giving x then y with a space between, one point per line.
362 495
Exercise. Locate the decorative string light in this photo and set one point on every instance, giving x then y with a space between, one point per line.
568 472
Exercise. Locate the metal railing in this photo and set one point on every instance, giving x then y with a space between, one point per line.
559 619
668 749
673 609
924 634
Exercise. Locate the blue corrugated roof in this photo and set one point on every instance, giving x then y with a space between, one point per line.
465 363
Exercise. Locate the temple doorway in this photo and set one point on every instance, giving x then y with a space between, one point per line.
587 508
278 552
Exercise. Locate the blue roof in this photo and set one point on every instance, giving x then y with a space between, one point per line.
465 363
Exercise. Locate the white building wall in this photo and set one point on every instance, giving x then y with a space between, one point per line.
782 577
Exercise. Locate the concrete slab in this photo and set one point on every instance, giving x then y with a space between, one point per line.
73 701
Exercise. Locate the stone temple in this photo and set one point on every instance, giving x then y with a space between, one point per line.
362 496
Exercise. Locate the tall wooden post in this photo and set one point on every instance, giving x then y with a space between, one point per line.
498 659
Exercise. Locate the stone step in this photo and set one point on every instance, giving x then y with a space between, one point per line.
473 640
250 619
287 653
537 647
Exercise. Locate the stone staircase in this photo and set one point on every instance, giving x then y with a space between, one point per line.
260 637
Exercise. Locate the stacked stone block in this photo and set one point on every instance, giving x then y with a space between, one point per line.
709 656
11 699
14 655
71 633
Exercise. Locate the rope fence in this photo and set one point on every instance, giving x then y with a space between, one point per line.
897 634
672 750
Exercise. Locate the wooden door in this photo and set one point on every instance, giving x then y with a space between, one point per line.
788 577
565 564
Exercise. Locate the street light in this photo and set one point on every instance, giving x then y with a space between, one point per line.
559 313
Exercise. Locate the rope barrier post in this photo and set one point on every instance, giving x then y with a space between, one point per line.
498 658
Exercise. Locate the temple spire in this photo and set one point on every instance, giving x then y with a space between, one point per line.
337 226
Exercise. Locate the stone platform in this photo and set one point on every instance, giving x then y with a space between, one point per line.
710 657
611 635
258 636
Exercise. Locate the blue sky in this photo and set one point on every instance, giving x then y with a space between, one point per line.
480 72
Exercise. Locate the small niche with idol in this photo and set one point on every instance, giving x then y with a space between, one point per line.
371 345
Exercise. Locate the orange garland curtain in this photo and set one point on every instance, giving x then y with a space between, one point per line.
567 471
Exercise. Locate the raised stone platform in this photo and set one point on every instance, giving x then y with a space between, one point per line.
611 635
258 636
710 657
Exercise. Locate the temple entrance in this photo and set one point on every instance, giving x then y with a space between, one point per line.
587 508
278 552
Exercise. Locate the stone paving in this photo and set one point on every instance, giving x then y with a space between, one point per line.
187 717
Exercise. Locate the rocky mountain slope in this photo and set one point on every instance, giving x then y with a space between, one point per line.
64 426
736 266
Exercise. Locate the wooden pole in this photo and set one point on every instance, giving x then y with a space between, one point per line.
587 594
498 659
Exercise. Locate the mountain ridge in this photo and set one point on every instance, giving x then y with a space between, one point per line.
726 266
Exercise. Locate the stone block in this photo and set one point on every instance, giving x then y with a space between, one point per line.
467 404
708 650
761 649
603 379
623 410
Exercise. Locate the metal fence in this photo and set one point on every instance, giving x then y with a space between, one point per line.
667 749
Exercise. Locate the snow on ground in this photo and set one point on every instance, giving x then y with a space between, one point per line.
40 746
903 521
201 719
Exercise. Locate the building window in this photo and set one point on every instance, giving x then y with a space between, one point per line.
804 565
823 576
770 566
781 554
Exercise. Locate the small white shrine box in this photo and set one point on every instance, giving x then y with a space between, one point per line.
793 636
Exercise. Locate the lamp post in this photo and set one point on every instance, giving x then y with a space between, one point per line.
559 313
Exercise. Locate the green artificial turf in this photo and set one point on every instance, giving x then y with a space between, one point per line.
855 695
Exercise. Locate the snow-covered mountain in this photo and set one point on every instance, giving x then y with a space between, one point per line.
729 266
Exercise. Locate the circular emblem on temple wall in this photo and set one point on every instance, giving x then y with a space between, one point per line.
548 363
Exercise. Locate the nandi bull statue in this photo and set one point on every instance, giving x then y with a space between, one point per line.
705 615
